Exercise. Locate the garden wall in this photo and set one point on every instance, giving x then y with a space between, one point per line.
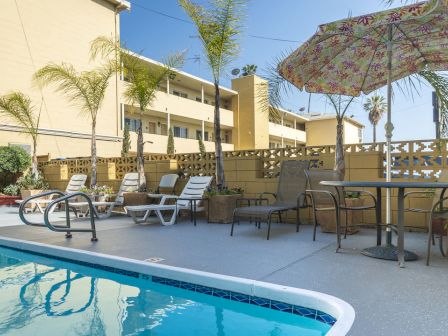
257 170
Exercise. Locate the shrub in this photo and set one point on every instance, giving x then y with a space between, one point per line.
30 182
14 160
12 190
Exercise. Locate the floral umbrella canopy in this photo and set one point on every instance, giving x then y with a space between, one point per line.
350 56
364 53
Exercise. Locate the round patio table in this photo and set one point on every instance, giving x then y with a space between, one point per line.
389 251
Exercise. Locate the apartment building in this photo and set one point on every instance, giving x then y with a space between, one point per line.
36 33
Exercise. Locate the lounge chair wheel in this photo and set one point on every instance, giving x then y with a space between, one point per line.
68 235
94 239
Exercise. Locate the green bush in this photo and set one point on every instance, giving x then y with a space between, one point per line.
12 190
14 160
30 182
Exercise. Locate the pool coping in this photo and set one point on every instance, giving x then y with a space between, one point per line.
342 311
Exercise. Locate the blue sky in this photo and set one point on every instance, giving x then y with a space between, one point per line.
156 36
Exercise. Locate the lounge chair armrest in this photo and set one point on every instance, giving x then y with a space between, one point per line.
253 199
302 199
167 197
268 193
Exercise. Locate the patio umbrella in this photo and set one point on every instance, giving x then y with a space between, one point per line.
361 54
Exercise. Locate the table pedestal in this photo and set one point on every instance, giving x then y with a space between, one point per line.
388 252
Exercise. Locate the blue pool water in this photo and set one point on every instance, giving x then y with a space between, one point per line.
42 296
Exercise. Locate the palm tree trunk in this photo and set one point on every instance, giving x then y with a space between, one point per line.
374 134
34 166
93 154
140 157
339 152
220 179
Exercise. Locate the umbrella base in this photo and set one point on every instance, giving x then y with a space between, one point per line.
388 252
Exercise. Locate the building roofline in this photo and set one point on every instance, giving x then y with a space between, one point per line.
183 73
292 114
120 4
332 116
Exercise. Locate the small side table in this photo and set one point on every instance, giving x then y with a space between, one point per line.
193 205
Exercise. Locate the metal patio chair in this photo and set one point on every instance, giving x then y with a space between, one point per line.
437 212
290 196
328 198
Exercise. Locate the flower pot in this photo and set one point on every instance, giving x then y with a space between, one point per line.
8 200
135 198
220 208
439 226
327 219
25 193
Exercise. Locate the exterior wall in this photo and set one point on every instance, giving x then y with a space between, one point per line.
60 33
323 132
289 135
251 119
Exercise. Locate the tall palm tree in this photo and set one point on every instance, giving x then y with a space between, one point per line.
18 107
218 27
376 106
142 82
86 89
249 69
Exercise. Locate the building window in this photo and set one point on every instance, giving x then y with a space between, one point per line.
300 127
180 94
180 132
199 99
199 135
151 127
132 123
360 134
163 129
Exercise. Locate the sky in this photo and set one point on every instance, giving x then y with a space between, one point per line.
157 28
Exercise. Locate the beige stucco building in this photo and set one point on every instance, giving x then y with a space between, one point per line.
35 33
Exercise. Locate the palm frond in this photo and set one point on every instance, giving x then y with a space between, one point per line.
18 107
219 27
86 89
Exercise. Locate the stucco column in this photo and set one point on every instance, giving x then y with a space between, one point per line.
283 143
168 85
203 130
202 93
168 121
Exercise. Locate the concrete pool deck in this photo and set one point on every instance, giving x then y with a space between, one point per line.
387 300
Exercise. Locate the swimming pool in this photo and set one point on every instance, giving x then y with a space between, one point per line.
42 295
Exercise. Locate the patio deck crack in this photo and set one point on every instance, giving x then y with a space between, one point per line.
263 278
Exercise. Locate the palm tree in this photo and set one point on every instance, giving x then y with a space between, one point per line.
376 106
141 85
218 27
86 89
249 69
18 107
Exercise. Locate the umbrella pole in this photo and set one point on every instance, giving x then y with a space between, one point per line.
389 128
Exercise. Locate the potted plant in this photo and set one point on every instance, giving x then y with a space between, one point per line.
31 185
98 193
221 204
327 221
11 194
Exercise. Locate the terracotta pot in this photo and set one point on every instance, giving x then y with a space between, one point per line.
327 219
135 198
221 207
25 193
439 226
8 200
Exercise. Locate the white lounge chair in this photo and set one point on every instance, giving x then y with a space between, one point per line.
129 184
74 185
194 190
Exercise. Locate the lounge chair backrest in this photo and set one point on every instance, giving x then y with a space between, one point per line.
168 182
443 177
196 187
292 182
129 184
76 183
315 177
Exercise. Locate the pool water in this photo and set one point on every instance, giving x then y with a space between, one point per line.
43 296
